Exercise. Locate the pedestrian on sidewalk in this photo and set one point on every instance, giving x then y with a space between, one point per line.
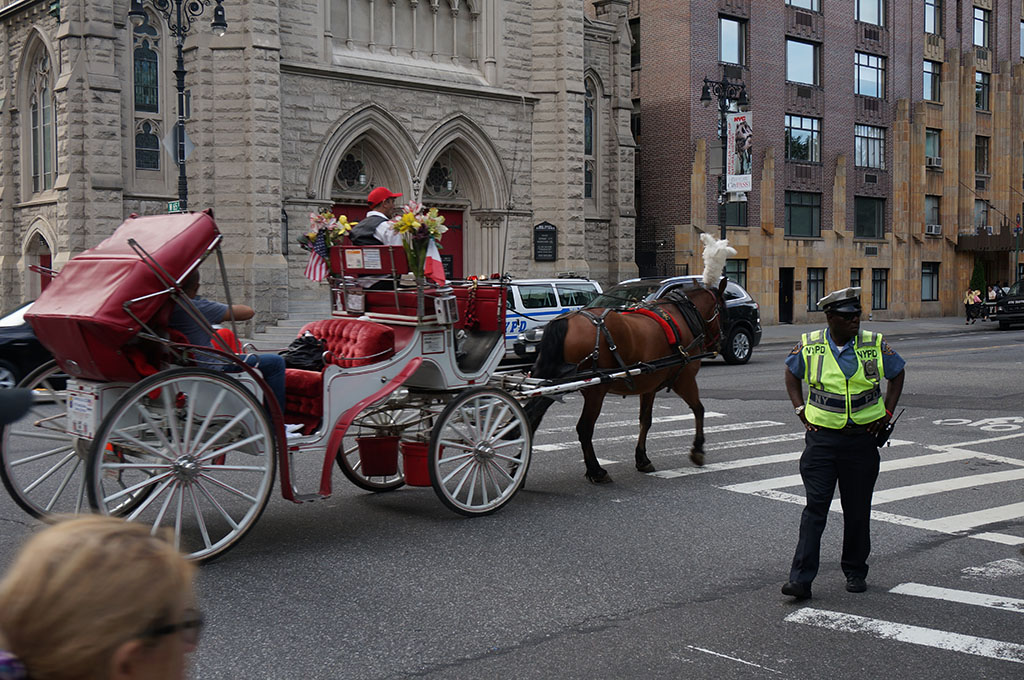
969 306
843 414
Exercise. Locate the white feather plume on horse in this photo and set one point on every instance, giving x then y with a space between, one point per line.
716 252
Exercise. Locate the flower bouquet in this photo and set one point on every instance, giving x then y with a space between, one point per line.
421 230
325 230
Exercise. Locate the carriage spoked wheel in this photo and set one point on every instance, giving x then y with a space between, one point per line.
479 451
42 460
385 419
202 448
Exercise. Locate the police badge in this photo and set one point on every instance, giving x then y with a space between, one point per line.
870 369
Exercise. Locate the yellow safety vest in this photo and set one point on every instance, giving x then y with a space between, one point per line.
832 399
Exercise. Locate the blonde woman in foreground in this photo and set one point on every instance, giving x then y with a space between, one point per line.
97 598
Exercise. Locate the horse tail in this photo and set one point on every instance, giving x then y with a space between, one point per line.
550 360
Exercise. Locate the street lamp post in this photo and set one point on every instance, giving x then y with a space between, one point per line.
725 92
180 15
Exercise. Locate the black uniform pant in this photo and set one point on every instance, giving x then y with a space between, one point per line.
852 460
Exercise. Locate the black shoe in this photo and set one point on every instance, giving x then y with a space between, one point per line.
856 584
797 590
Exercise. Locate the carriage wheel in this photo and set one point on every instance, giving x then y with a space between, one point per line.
203 448
479 451
388 419
42 461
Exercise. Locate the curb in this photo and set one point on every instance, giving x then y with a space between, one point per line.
904 333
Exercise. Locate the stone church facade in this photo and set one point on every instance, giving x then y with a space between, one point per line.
502 113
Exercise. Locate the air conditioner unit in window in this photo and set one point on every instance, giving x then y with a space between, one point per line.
933 229
933 161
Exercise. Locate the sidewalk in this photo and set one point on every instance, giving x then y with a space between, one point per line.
789 334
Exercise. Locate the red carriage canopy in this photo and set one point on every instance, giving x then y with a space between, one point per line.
81 317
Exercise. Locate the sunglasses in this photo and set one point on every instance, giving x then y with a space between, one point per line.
190 628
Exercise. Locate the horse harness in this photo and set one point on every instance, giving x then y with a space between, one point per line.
697 324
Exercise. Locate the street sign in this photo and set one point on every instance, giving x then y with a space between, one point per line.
173 206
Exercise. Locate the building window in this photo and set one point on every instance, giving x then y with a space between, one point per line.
634 48
933 143
933 17
932 81
803 138
736 214
869 75
869 146
813 5
146 67
869 217
43 127
803 214
732 40
1022 40
588 138
855 275
981 82
981 155
815 287
147 147
933 209
736 270
982 27
929 281
802 62
879 289
871 12
980 213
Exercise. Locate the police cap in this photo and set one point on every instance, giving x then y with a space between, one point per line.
844 300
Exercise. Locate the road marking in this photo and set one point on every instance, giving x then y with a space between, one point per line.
900 493
732 427
955 524
727 465
981 441
917 635
732 658
1010 604
998 569
902 520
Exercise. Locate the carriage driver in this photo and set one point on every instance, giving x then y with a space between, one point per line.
843 413
373 230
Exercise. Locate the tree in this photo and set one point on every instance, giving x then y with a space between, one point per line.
978 277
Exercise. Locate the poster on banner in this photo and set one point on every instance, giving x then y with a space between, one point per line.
739 152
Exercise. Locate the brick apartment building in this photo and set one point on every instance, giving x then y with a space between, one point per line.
888 145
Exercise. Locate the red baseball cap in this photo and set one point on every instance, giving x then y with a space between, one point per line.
379 195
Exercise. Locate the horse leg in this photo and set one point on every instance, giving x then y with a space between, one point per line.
643 463
686 387
592 400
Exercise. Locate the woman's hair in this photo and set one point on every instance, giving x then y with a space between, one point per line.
81 588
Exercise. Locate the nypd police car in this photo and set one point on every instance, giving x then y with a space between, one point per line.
531 303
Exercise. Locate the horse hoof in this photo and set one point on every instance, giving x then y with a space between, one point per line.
697 457
646 468
602 478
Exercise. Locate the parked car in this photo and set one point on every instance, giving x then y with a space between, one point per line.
532 303
1009 309
740 336
20 351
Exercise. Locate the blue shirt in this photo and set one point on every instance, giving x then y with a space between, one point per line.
212 311
892 363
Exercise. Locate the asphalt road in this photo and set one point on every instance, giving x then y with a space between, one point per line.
674 574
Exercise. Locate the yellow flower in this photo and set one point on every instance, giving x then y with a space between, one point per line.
407 223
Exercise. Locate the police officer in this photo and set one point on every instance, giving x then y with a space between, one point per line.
843 413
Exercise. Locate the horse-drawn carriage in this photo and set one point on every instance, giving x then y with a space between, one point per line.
131 420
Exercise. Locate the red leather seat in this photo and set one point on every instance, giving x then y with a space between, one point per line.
349 343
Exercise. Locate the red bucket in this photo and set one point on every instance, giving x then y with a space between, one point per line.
414 463
378 456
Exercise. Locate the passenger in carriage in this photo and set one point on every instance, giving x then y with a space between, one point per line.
373 230
270 365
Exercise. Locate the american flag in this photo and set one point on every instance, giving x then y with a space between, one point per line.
317 267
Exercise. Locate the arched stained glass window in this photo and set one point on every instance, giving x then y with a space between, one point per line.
588 138
146 67
147 147
43 125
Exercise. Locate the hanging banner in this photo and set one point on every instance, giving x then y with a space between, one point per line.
739 152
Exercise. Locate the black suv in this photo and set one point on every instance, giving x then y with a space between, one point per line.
742 331
1009 309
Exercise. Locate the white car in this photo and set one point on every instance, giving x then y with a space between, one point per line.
532 303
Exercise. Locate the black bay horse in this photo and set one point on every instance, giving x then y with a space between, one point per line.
571 343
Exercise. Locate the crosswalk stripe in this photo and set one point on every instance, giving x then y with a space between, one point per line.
1010 604
732 427
900 493
917 635
1010 566
727 465
969 520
